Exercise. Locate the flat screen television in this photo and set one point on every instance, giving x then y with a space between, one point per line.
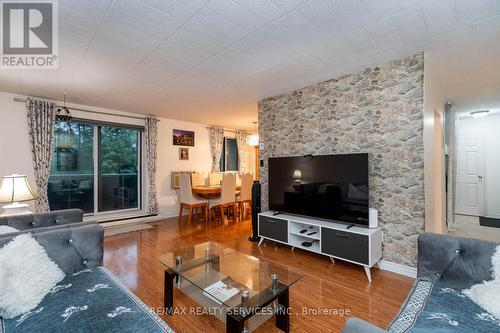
331 187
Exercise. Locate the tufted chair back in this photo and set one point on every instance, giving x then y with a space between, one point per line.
456 261
72 248
43 220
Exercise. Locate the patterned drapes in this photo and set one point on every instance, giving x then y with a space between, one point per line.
41 119
216 139
241 140
151 142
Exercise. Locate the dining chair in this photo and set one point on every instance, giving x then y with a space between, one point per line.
188 200
197 179
227 198
238 179
214 178
244 199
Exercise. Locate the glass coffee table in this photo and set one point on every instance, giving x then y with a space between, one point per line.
241 290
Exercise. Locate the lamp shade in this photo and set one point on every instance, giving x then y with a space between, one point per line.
297 174
15 188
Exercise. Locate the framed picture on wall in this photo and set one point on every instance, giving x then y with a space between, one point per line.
183 138
184 154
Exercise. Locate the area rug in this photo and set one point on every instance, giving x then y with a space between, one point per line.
489 222
111 231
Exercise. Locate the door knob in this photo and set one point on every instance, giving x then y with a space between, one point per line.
480 177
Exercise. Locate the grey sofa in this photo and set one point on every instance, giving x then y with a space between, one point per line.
446 266
90 298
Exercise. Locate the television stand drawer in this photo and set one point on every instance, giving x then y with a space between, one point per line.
345 245
270 227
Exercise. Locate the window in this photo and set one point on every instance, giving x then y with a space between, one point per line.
95 167
229 158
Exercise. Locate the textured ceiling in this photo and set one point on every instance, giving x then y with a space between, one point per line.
211 61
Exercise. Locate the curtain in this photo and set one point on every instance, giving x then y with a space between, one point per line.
41 121
151 141
241 140
216 139
450 167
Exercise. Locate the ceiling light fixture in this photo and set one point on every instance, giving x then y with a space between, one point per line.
479 114
63 114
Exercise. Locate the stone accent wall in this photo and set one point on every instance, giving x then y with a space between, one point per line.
378 111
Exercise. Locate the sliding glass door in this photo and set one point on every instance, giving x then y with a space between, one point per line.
118 168
71 181
95 167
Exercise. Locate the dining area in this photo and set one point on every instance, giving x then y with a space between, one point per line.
220 197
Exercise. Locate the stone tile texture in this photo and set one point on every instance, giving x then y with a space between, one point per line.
378 111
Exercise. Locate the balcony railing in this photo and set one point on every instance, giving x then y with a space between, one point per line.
76 190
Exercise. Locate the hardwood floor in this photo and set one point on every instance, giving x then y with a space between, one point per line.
339 288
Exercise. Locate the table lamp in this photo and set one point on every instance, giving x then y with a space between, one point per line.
297 175
14 190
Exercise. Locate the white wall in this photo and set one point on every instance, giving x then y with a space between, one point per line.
489 127
434 158
168 160
15 151
199 160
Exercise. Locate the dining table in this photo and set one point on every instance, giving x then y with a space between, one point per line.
210 190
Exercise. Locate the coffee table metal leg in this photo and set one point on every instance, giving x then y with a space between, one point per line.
168 299
234 325
283 317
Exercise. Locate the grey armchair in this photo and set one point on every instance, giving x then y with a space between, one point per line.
455 262
43 220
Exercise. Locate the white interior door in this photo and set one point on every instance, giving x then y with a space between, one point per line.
470 175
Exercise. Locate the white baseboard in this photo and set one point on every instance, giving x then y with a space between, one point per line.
132 221
397 268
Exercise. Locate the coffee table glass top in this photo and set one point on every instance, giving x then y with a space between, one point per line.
205 264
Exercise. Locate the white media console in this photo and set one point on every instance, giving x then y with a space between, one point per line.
357 245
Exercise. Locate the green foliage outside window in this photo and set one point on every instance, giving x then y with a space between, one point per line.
73 149
118 150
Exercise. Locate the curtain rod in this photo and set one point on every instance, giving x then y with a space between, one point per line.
17 99
225 130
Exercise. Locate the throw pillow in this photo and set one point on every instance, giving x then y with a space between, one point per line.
26 275
5 229
485 294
